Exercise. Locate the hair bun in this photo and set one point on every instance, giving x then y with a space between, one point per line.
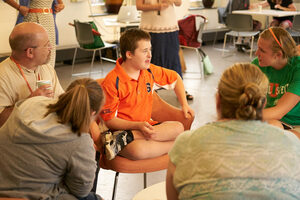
249 102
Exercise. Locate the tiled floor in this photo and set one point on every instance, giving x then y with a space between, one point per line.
203 105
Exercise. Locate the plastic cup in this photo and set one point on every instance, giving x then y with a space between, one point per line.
260 8
44 82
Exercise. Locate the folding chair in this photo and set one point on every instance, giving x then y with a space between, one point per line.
295 30
84 36
240 26
190 35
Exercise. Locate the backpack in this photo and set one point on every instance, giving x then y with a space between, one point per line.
189 34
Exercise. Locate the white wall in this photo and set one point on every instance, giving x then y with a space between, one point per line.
81 10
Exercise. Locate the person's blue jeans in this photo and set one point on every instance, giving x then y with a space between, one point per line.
91 196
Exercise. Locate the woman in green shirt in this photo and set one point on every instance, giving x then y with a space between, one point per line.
278 58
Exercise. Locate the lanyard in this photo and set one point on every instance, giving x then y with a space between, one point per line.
22 73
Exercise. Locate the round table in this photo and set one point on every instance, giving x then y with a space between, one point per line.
154 192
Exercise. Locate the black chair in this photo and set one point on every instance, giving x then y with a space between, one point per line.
240 26
84 35
295 30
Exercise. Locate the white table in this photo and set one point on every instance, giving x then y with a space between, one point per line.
154 192
113 22
118 27
268 13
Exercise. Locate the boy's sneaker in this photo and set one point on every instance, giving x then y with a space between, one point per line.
114 142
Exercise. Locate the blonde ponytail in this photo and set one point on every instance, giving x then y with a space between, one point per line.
76 105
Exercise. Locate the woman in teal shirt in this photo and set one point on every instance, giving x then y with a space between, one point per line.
278 58
239 156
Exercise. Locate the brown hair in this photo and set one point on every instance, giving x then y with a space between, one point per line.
129 40
288 45
242 90
75 106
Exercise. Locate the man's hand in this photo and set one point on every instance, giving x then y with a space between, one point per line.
59 7
23 10
146 129
44 90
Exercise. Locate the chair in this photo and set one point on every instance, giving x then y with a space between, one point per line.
295 30
240 26
84 36
162 111
190 35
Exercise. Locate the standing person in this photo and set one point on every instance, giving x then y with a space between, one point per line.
278 58
27 65
50 155
239 156
284 5
129 91
40 11
159 19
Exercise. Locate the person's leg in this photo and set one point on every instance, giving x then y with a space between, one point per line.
92 196
286 24
275 23
143 149
159 144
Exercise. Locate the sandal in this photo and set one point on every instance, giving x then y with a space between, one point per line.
189 97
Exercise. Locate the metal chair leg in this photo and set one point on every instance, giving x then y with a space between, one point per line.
224 44
145 180
251 49
115 186
100 54
92 64
73 62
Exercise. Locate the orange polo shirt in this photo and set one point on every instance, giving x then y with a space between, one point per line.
131 99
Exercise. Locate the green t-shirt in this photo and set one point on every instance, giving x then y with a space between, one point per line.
281 81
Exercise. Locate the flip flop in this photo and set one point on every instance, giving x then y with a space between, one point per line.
189 97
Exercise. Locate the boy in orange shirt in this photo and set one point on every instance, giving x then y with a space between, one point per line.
129 90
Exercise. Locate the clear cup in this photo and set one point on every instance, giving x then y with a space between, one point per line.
259 8
44 82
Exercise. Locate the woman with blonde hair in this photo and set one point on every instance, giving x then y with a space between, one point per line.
45 148
278 58
239 156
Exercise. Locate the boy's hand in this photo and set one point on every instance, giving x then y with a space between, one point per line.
146 129
188 111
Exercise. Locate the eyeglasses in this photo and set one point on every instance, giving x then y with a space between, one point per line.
47 45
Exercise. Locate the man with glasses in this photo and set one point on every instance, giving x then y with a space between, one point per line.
27 65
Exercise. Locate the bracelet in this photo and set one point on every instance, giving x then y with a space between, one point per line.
19 7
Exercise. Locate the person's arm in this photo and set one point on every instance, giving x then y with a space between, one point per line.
140 5
59 6
5 114
22 9
175 2
171 190
81 167
181 96
286 103
291 7
122 124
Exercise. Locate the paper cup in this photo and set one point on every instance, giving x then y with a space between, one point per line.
44 82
